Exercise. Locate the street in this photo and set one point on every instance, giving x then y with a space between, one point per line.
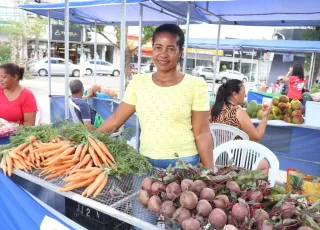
40 87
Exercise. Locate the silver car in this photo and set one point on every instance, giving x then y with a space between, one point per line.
207 73
102 67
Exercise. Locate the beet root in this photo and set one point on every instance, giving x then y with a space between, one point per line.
239 212
207 194
157 187
143 197
229 227
204 208
154 204
167 208
199 184
260 215
190 224
266 226
188 200
256 196
187 185
305 228
221 201
218 218
181 214
233 186
287 210
173 190
146 184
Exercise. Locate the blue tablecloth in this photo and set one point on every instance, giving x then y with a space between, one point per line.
4 140
259 96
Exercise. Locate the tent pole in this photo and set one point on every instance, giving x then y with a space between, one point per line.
240 60
139 71
82 70
233 56
311 70
251 66
195 58
95 52
122 51
49 61
215 67
186 41
66 58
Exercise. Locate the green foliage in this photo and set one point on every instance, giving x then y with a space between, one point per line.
310 34
5 53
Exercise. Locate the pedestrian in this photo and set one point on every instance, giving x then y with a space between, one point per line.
151 67
295 78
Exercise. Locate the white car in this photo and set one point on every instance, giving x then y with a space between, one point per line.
229 74
103 67
146 69
207 73
57 67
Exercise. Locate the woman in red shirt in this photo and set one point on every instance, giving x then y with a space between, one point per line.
17 104
296 80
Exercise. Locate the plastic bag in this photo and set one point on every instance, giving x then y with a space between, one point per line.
98 121
300 183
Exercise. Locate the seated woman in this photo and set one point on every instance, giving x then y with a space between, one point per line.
17 104
227 110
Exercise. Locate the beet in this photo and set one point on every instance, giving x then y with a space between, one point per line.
173 190
229 227
190 224
204 208
143 197
188 200
154 204
287 209
239 212
157 187
146 184
221 201
266 226
187 185
233 186
218 218
181 214
305 228
260 215
208 194
199 184
167 208
256 196
231 220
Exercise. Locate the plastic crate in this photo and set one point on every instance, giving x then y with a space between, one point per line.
92 219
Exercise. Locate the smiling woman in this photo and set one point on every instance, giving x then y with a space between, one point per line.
17 104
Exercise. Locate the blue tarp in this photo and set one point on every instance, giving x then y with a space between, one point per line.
18 209
270 45
108 12
253 12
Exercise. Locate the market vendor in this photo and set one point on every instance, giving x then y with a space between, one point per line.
17 104
296 80
172 107
227 110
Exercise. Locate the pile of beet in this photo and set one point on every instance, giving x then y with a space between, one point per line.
231 199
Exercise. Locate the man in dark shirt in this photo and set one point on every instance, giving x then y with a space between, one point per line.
86 113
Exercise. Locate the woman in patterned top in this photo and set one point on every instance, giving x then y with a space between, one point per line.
227 110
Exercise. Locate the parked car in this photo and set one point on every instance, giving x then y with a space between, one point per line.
146 69
229 74
207 73
57 67
103 67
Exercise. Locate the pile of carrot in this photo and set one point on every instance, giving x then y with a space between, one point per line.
86 164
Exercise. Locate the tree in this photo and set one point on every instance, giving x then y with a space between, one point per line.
19 33
312 34
5 53
147 32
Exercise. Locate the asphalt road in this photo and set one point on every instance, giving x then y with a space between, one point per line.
40 87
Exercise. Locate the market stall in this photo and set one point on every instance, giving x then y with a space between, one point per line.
258 96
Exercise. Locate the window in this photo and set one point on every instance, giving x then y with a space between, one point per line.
61 62
92 62
208 70
51 61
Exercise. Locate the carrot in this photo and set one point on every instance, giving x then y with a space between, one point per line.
23 163
22 147
65 158
89 165
21 154
28 163
64 153
101 187
84 176
4 164
110 163
26 150
83 152
18 164
50 147
38 163
13 154
9 164
37 145
79 185
69 161
85 160
32 139
59 173
93 187
85 191
104 148
93 156
97 149
31 153
77 153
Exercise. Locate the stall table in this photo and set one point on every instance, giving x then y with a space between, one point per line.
296 146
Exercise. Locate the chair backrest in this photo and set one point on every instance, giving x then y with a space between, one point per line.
248 154
223 133
73 107
39 115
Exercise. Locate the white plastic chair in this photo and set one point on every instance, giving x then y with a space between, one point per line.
73 107
248 154
39 115
223 133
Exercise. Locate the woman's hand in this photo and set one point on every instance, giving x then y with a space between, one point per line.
290 70
267 110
